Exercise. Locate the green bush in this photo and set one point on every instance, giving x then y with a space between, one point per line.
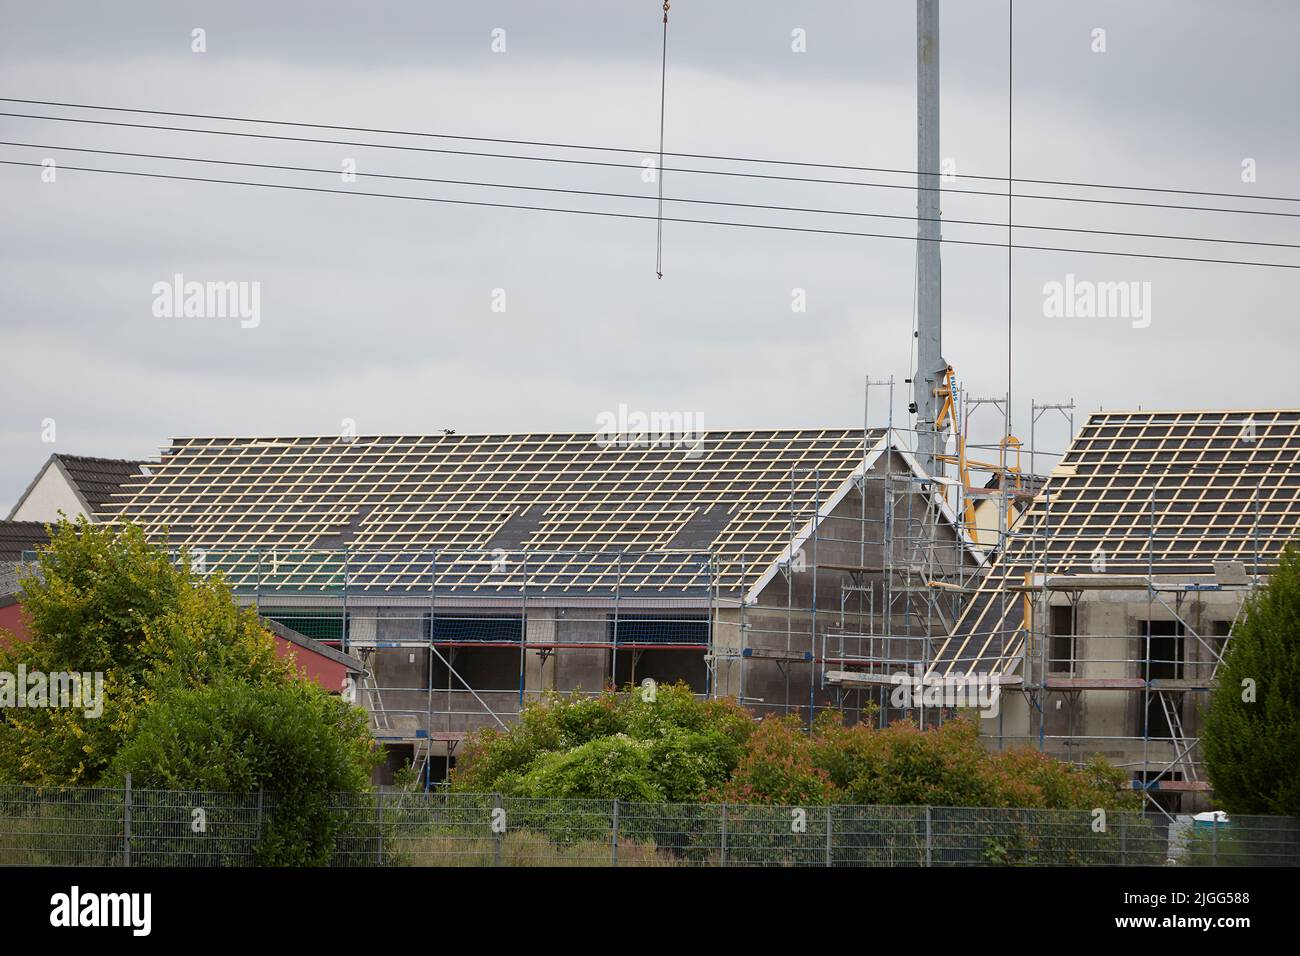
901 765
615 745
779 766
292 740
1251 736
617 767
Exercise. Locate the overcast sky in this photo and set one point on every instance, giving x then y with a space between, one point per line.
381 311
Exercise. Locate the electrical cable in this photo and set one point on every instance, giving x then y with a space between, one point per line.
707 222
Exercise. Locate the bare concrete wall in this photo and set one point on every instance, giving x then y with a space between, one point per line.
1110 644
582 668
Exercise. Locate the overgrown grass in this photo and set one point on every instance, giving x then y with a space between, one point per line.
524 848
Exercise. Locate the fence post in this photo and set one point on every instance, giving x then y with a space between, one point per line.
497 837
257 832
929 837
1123 838
379 832
1214 842
829 811
126 828
724 834
613 841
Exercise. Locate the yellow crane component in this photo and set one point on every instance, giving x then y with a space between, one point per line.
1009 443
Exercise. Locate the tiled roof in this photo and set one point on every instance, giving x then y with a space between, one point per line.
313 645
587 510
1161 492
98 479
17 537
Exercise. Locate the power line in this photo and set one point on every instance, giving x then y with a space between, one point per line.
700 172
846 167
705 222
661 197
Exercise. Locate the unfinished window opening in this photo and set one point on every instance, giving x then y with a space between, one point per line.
1063 640
476 628
663 666
1161 647
1165 660
1219 632
440 769
326 626
658 629
650 646
486 668
483 649
396 756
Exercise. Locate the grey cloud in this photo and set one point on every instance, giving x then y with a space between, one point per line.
378 310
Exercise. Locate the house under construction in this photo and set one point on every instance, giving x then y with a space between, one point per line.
473 573
796 570
1113 602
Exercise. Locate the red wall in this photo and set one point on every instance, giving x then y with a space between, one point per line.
329 674
13 620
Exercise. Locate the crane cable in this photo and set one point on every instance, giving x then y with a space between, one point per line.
659 172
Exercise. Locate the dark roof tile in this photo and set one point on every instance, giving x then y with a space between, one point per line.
98 479
17 537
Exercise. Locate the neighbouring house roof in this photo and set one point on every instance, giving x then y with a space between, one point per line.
1030 483
315 646
98 479
93 481
9 587
1171 493
19 537
587 510
11 574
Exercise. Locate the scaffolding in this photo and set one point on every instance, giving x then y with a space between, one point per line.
884 570
1160 657
1115 604
876 566
1189 555
870 578
489 631
1174 670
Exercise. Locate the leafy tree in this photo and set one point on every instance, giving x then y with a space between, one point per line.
291 739
104 600
1251 736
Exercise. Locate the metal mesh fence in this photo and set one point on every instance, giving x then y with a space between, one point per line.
62 827
121 827
178 828
124 827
